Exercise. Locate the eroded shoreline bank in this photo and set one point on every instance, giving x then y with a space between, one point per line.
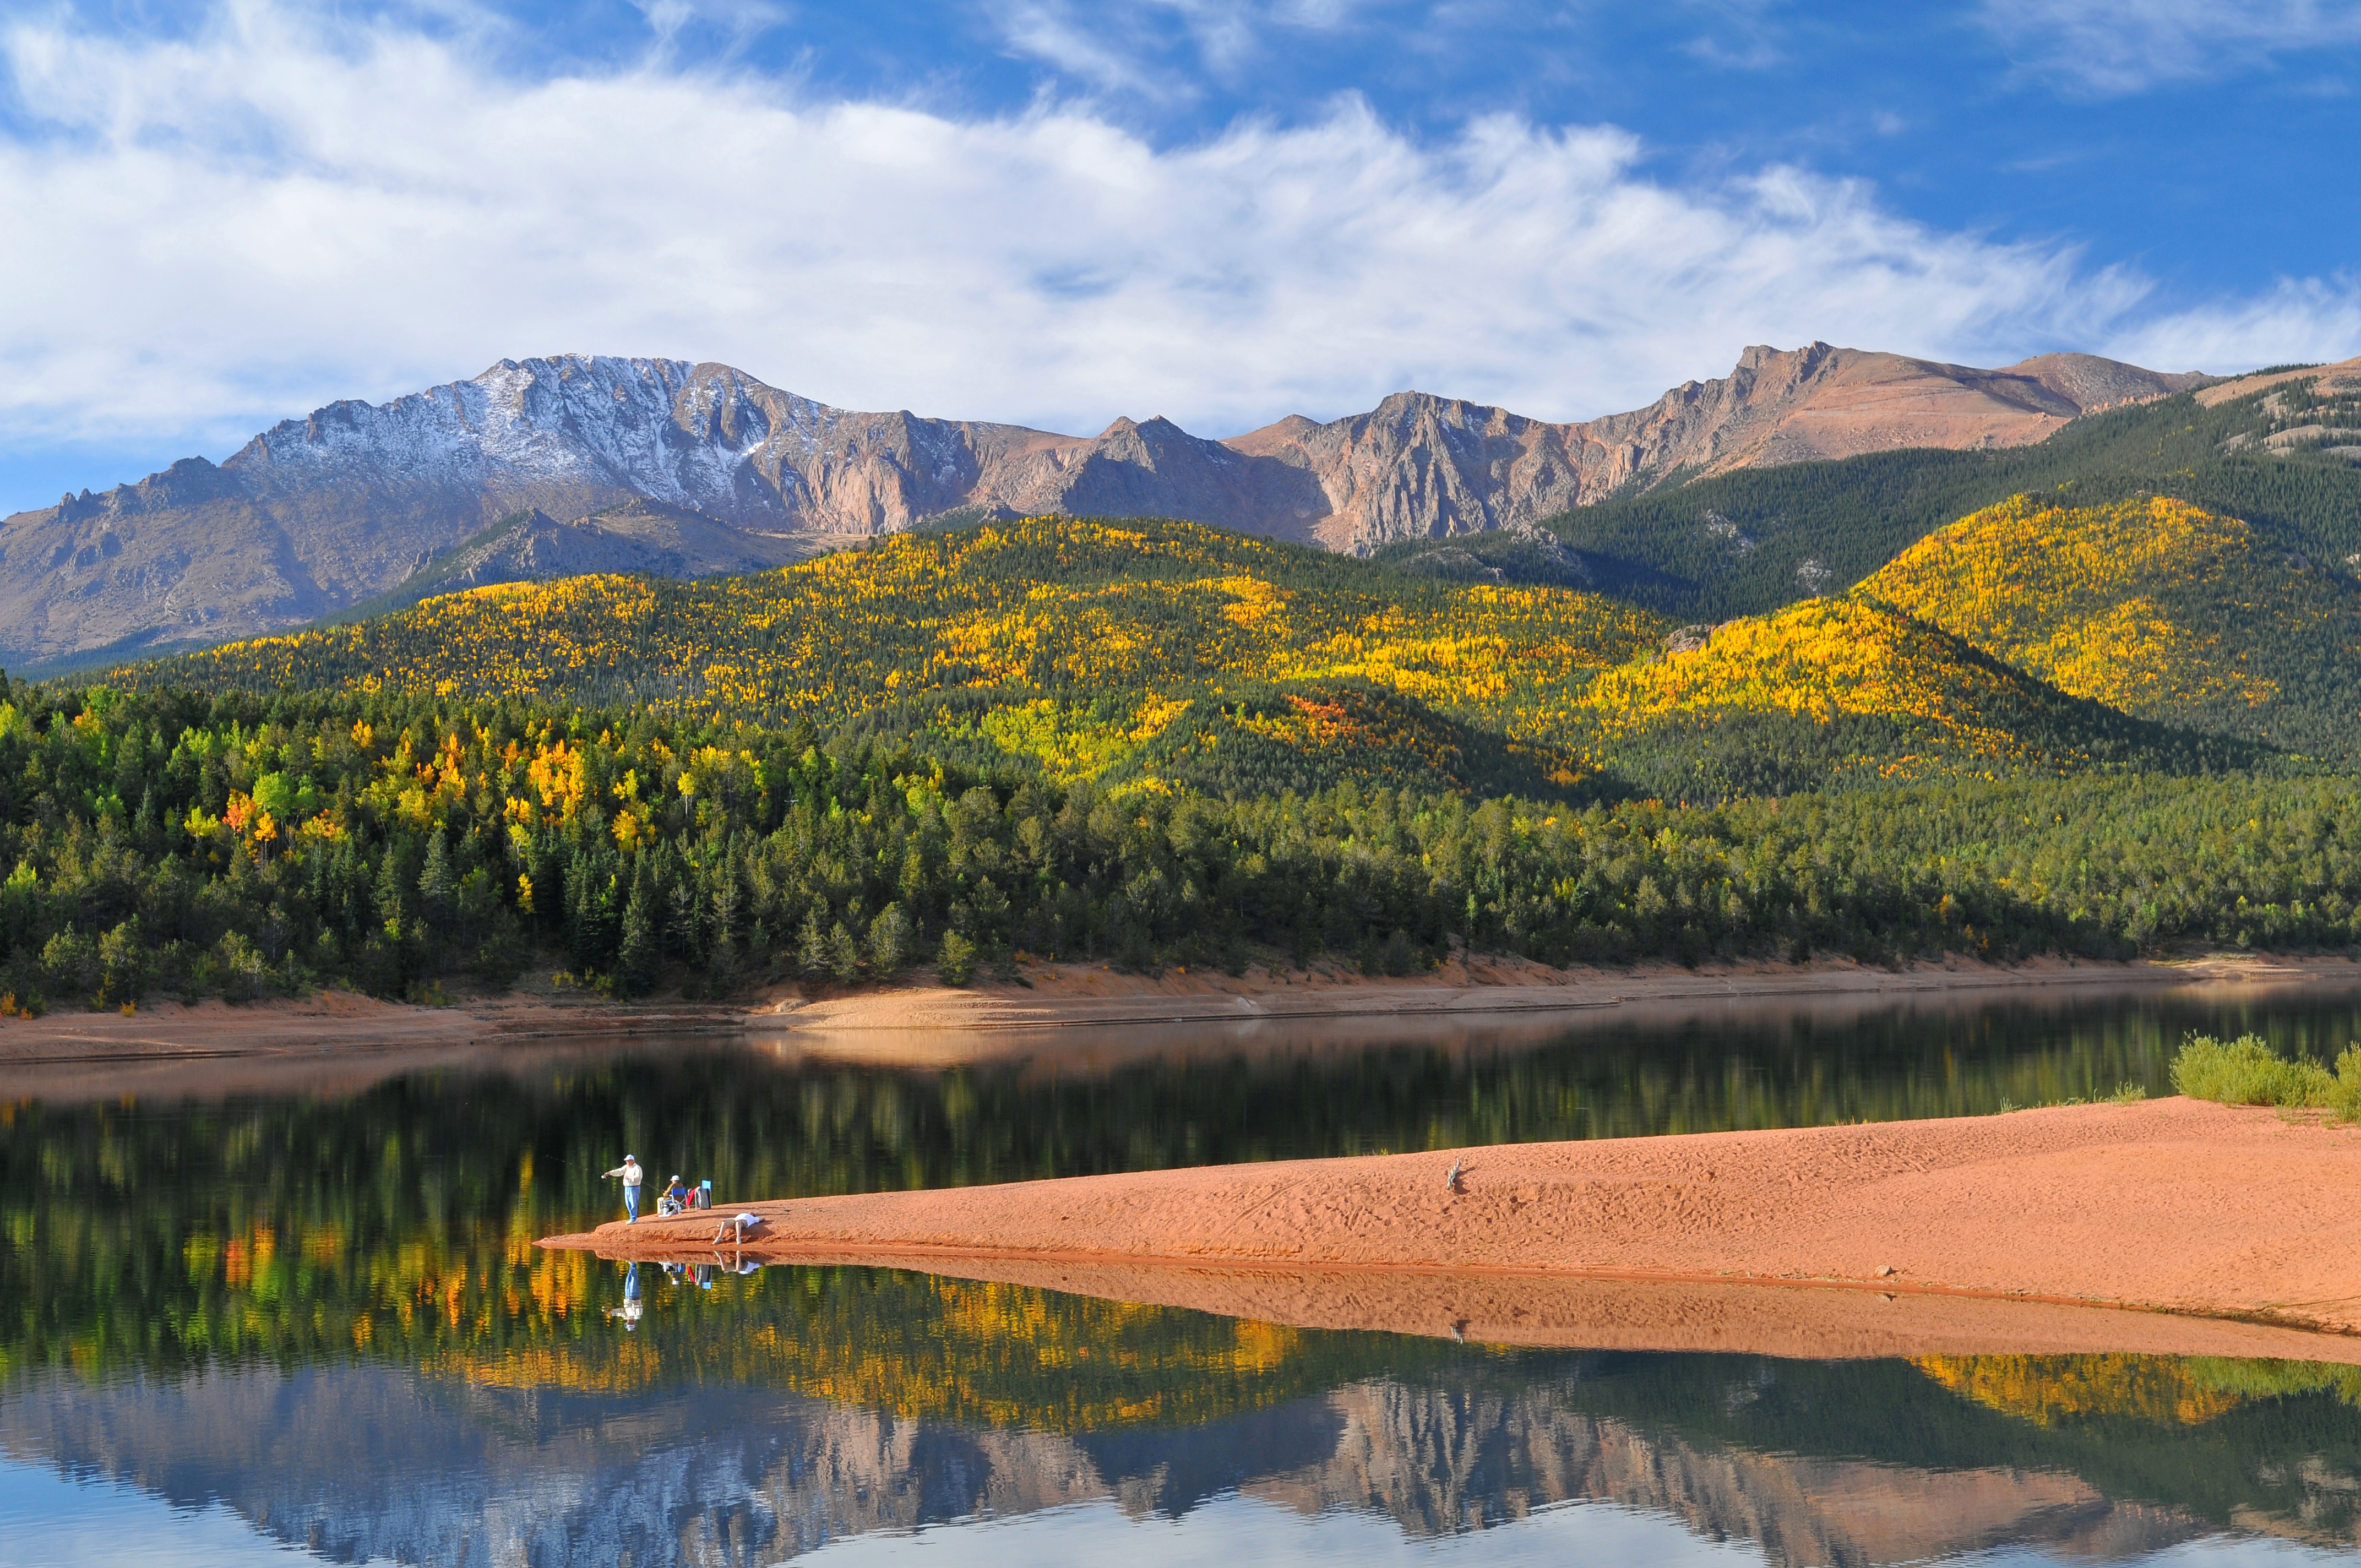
1059 1011
2223 1231
1050 997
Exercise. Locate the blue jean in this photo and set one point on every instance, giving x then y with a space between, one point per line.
631 1202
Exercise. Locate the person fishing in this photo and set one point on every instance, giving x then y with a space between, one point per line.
630 1171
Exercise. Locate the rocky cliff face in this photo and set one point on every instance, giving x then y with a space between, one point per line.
1421 467
317 514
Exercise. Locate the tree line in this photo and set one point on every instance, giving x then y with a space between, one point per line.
185 843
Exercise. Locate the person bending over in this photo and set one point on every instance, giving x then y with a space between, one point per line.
740 1225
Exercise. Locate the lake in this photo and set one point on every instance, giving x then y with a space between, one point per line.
300 1313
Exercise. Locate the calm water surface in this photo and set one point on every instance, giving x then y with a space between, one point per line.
310 1323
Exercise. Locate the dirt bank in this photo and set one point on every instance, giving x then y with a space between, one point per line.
1080 1014
2171 1205
62 1052
1055 996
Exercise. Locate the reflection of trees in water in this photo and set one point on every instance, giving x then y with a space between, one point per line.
400 1222
360 1460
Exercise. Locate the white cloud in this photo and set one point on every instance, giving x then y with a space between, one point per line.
211 233
1157 49
2298 322
2122 46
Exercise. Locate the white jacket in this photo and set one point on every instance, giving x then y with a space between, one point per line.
628 1170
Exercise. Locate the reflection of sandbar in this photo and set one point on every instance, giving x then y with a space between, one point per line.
1989 1233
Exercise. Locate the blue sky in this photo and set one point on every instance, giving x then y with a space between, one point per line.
1222 211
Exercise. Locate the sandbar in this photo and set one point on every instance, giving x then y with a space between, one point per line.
2169 1227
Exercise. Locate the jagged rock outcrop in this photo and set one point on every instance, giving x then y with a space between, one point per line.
315 515
1419 467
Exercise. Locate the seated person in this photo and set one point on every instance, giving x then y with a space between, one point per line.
742 1225
674 1200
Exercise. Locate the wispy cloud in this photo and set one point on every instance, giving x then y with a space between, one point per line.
2124 46
2297 321
1162 49
265 214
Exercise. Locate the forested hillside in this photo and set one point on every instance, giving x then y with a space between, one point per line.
1078 650
188 845
2154 607
1749 542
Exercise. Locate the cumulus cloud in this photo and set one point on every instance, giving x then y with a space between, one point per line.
2122 46
217 231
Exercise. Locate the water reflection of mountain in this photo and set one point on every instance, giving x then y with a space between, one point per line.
358 1461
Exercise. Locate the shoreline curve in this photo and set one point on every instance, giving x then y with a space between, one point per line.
2157 1225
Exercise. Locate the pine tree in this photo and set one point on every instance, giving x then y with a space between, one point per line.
889 940
390 908
811 945
437 889
843 954
640 953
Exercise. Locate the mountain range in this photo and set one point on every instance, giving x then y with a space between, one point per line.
362 502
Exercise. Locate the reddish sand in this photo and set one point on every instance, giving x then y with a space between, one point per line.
2174 1205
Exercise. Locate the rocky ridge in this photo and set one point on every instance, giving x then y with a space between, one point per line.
316 515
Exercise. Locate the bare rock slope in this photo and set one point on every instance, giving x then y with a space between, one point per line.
316 515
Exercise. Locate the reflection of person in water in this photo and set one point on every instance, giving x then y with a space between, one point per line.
629 1310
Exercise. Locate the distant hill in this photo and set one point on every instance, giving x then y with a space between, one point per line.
1084 649
317 515
2154 607
1844 691
1158 649
629 536
2266 449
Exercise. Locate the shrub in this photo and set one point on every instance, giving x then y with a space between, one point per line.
240 971
956 963
2246 1072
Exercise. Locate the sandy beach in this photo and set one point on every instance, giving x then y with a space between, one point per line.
2194 1225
